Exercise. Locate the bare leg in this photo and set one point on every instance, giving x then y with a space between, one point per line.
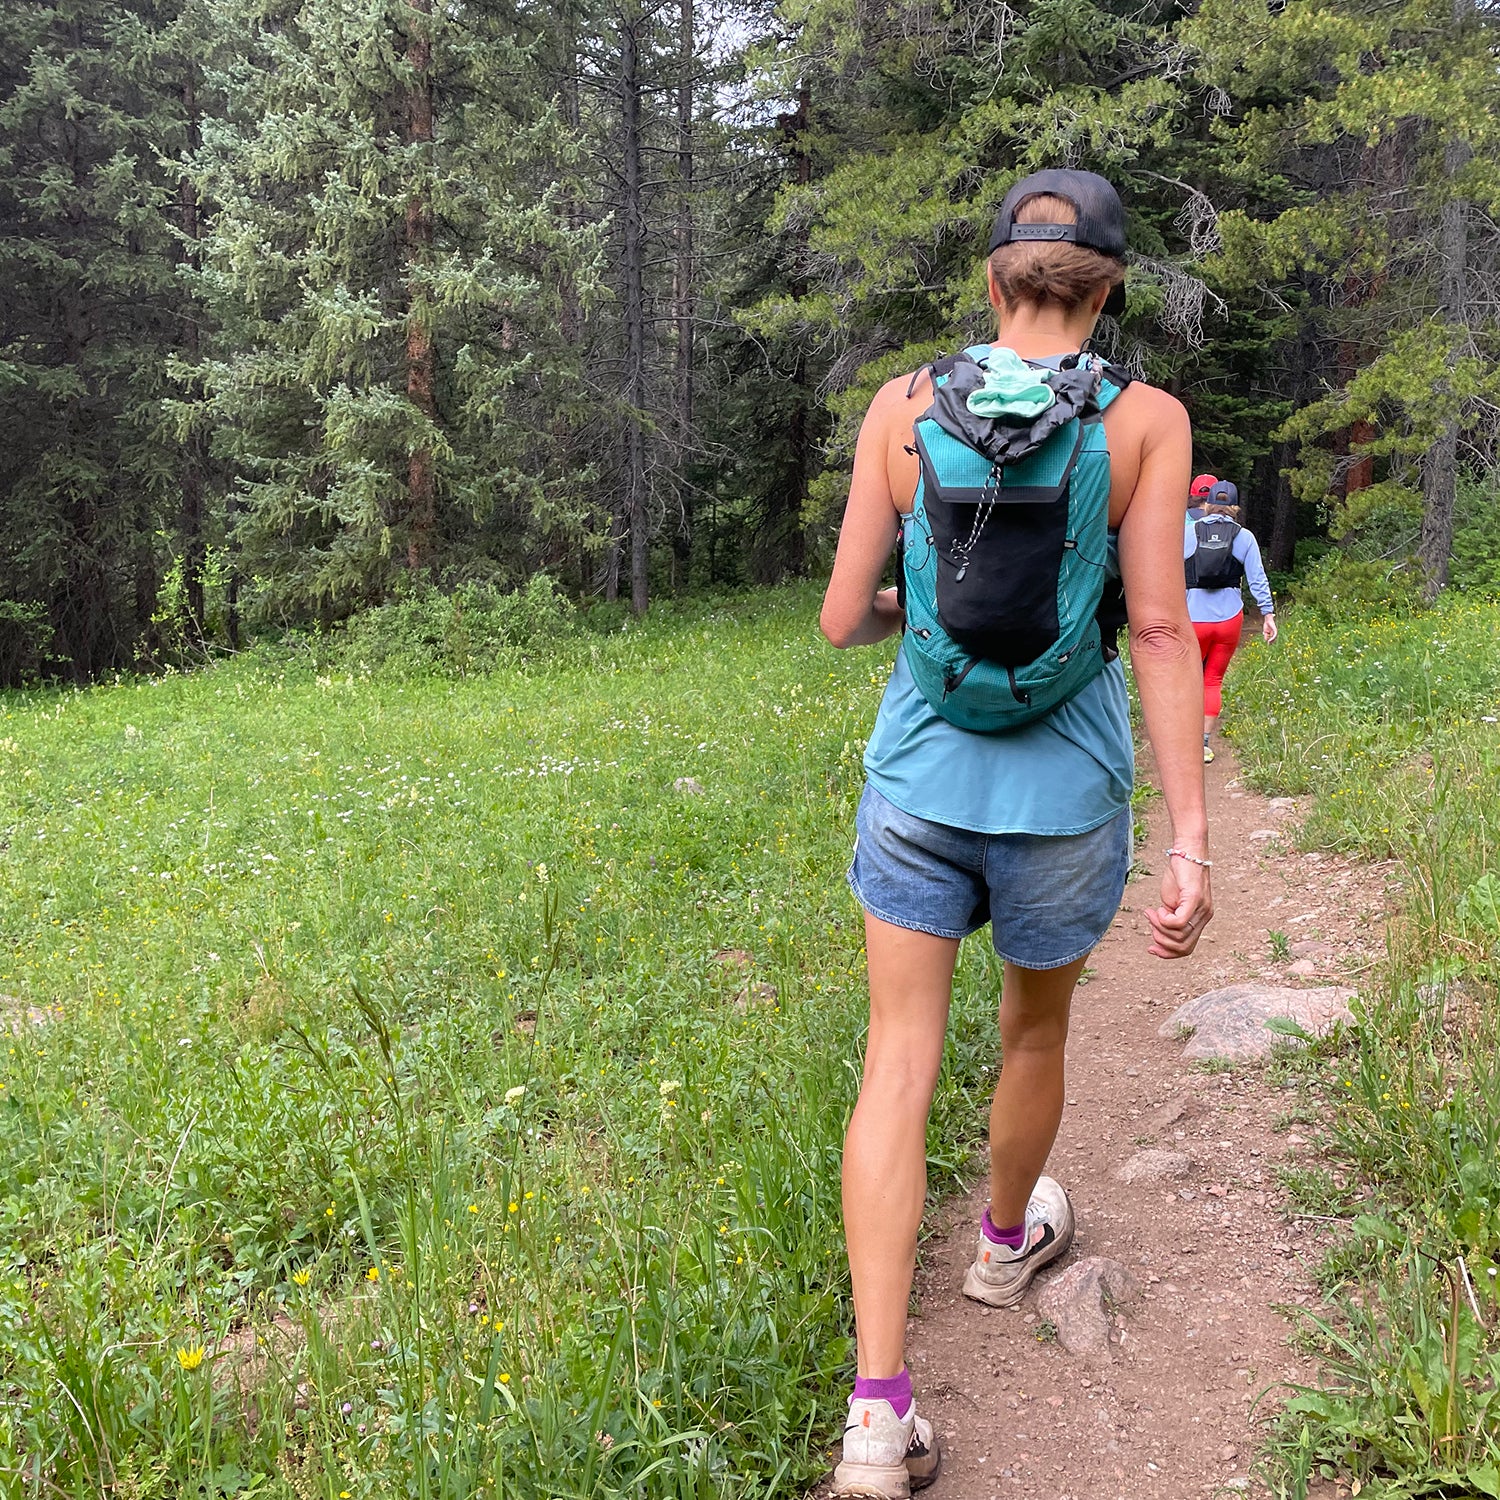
1210 723
1028 1105
885 1151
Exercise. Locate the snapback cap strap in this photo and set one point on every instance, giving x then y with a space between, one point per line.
1043 232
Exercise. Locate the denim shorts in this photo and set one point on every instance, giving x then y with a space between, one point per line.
1048 898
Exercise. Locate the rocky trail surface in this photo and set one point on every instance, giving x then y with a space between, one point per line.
1155 1388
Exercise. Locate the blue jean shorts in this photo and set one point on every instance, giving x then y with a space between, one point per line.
1048 898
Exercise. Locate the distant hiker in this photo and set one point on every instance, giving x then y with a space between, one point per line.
1219 554
1000 765
1198 493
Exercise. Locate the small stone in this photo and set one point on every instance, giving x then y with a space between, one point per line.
1154 1166
1228 1453
689 786
1311 948
1170 1113
1263 835
1283 804
1302 967
755 994
1075 1304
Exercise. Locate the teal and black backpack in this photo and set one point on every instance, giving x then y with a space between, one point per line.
1004 569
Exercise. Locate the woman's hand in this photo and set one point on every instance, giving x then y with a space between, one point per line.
1186 909
1268 628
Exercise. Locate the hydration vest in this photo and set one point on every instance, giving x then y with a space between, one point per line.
1004 571
1213 564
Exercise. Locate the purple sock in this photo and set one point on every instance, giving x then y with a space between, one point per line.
896 1389
1013 1238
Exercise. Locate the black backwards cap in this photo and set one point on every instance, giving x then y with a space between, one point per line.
1100 223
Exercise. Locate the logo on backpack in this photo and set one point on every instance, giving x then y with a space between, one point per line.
1005 570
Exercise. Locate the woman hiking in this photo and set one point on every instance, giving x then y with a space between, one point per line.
1219 554
1028 829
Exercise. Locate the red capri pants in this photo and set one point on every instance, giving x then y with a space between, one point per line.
1217 639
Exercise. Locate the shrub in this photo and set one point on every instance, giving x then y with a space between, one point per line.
1476 539
1339 586
473 629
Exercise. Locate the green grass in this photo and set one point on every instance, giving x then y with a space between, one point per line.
1391 724
469 1095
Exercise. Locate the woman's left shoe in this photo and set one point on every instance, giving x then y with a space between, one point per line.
1208 754
1000 1275
885 1457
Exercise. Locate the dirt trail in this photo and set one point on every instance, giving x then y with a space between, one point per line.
1171 1414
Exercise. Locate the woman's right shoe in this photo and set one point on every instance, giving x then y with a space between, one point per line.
1000 1275
885 1457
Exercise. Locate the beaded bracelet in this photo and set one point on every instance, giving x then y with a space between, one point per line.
1207 864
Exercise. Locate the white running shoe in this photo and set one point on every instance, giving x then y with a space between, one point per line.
1000 1275
885 1457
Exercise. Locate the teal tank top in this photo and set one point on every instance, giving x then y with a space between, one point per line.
1064 774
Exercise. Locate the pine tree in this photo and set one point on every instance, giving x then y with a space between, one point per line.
923 117
1381 127
89 475
385 262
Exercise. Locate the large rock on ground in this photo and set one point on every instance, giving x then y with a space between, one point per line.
1154 1165
1231 1023
1077 1303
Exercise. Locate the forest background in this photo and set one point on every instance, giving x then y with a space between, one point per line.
316 306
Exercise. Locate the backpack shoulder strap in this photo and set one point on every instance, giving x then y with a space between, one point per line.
1113 380
943 366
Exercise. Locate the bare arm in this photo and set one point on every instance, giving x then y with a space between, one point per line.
856 610
1168 668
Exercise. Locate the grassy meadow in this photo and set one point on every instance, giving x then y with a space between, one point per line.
416 1087
429 1086
1391 723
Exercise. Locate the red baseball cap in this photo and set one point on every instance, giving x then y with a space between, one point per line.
1200 487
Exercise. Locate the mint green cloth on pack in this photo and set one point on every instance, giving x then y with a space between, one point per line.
1011 388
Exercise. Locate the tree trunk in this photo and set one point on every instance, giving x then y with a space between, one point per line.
634 305
1281 550
683 269
1440 471
190 517
232 588
421 479
781 546
1308 357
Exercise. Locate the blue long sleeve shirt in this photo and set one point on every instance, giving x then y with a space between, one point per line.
1208 606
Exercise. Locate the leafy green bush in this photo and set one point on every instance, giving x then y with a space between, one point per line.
1341 585
472 630
25 642
1476 539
